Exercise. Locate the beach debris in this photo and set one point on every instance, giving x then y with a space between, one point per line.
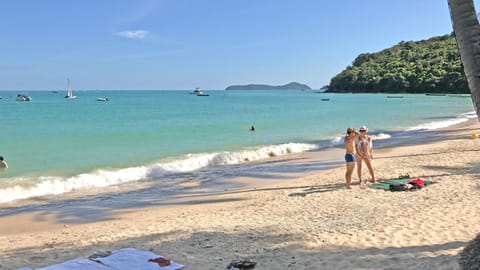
241 265
290 264
161 261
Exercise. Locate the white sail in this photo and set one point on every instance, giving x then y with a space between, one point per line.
69 90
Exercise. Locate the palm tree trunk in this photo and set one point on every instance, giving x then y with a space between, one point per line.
467 33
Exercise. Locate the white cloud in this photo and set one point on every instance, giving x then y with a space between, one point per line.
133 34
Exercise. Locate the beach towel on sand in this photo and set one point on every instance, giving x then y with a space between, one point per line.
130 258
398 182
122 259
76 264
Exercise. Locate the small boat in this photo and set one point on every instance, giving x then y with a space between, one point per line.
434 94
102 99
325 99
23 97
394 96
199 93
69 94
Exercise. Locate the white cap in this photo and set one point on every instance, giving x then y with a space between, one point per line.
363 128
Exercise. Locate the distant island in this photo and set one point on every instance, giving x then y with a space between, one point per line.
426 66
289 86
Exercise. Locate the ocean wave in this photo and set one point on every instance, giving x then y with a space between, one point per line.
338 141
381 136
463 117
438 124
469 115
23 187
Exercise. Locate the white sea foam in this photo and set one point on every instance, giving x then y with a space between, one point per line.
338 141
438 124
381 136
469 115
22 188
445 123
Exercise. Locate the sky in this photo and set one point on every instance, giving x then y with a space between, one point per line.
183 44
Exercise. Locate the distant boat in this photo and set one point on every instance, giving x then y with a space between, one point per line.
23 97
69 91
434 94
199 93
325 99
102 99
394 96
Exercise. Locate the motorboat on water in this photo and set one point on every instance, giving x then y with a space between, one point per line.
196 91
23 97
69 94
199 93
104 99
435 94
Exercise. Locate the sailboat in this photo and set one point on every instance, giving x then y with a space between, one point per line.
69 90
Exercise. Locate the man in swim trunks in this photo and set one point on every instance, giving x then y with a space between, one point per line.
349 142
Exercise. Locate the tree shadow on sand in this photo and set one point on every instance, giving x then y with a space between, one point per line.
469 258
318 189
203 250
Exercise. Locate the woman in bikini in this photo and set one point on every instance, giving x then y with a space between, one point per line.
364 147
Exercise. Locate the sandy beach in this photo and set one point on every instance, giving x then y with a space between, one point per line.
308 221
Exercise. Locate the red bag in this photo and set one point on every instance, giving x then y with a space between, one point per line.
418 182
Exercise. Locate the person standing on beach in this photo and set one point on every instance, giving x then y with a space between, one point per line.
3 163
349 142
364 149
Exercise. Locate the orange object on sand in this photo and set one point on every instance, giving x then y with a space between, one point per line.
161 261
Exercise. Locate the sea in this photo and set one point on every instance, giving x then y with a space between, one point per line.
58 148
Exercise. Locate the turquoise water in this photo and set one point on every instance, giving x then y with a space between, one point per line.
55 145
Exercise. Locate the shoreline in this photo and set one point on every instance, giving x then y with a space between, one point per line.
308 222
172 173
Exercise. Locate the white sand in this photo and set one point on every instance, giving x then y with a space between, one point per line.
311 222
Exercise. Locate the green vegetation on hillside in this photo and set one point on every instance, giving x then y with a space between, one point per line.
431 66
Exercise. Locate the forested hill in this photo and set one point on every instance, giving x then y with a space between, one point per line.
431 66
288 86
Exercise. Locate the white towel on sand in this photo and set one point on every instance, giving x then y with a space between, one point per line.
122 259
130 258
77 264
